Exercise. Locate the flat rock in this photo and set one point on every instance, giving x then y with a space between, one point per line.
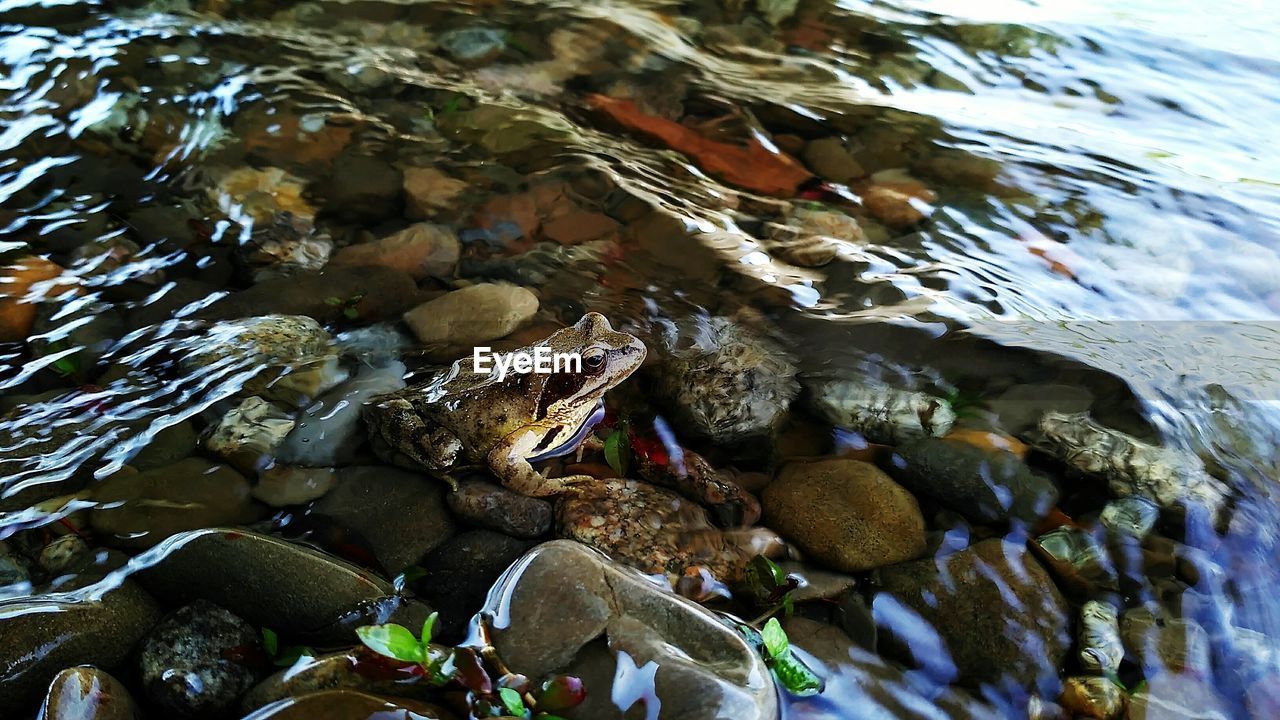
566 608
268 581
845 514
141 509
40 637
429 191
371 293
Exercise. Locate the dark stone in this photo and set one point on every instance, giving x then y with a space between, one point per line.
460 572
985 614
399 515
348 704
363 189
498 508
268 581
985 487
40 637
194 663
375 293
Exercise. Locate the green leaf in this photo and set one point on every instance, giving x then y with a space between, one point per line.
351 313
393 641
290 655
512 701
788 604
270 642
617 449
333 300
408 575
429 627
775 638
795 676
547 716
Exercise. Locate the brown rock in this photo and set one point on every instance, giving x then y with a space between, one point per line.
420 251
347 704
87 693
579 226
17 310
428 191
845 514
994 610
141 509
897 199
829 158
472 315
508 218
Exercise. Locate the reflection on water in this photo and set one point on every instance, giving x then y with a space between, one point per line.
1016 207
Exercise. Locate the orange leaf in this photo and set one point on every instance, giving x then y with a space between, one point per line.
754 167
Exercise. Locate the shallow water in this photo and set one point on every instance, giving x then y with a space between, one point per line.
1104 216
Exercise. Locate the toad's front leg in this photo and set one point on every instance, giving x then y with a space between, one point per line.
508 460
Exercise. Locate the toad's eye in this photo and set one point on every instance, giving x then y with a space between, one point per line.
593 359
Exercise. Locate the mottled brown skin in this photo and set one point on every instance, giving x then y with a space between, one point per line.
462 415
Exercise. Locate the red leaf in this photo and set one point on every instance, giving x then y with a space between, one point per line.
754 167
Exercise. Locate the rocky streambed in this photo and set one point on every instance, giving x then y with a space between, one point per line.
842 483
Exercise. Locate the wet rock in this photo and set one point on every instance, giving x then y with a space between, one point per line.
578 226
12 569
858 681
983 486
40 637
995 612
1161 643
830 160
399 514
473 44
569 609
897 199
717 490
171 300
505 218
1092 697
657 531
64 554
1100 649
326 672
422 250
429 192
282 485
498 508
90 328
27 281
347 704
725 381
87 693
329 430
1177 697
270 582
775 12
883 414
139 510
251 196
1078 560
1176 480
460 572
249 434
845 514
166 447
289 358
285 246
362 189
816 584
1131 516
472 315
193 662
345 294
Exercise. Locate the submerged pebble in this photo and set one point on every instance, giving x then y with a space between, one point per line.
195 663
